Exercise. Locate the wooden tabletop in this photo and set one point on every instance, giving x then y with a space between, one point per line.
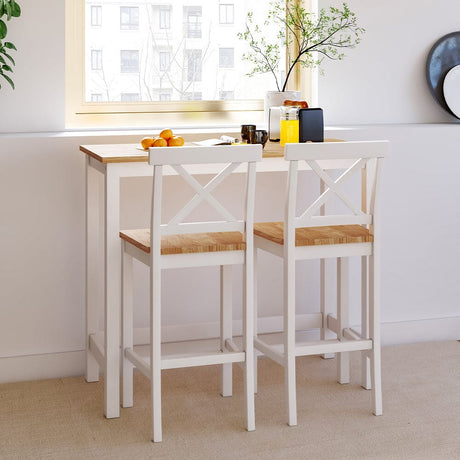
129 153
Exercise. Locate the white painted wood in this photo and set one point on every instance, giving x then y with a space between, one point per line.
141 364
332 346
225 259
256 328
127 342
333 250
226 319
337 150
343 358
96 349
360 155
112 294
193 154
289 295
93 272
271 351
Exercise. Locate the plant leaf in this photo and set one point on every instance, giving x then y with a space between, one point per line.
7 68
3 30
2 8
15 10
9 57
10 46
8 79
8 10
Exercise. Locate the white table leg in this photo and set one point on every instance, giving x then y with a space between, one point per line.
112 292
93 273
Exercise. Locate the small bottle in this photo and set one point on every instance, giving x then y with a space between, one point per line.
289 125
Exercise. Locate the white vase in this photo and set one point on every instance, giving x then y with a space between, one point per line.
276 98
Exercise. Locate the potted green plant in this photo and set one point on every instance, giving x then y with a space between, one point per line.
307 37
8 9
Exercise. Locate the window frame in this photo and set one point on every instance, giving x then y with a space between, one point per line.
129 25
225 9
145 114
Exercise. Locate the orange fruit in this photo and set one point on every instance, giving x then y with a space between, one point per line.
176 141
159 142
147 142
166 134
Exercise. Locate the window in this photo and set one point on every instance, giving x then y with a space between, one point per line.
130 97
193 69
129 61
165 17
129 17
165 96
226 13
193 21
165 60
226 95
96 59
192 96
96 97
96 16
226 58
164 83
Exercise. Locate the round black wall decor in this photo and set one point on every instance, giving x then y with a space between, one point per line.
443 56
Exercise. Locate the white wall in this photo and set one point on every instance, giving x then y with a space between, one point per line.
383 80
42 189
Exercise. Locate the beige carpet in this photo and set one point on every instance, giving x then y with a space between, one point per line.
63 418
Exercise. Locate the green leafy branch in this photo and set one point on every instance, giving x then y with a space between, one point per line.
8 9
307 38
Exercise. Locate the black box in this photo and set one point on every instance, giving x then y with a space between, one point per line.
311 125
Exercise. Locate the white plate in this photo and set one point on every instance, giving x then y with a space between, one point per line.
451 88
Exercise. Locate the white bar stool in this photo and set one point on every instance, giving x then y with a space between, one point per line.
312 235
181 243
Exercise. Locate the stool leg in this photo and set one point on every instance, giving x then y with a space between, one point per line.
343 358
325 333
226 319
256 359
365 362
248 338
127 327
289 339
155 351
374 332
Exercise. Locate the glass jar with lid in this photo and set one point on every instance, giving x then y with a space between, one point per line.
289 124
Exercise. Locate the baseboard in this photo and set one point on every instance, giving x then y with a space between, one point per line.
68 364
42 366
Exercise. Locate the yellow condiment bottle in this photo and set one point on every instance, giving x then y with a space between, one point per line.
289 125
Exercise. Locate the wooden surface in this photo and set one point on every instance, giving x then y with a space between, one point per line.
187 243
129 153
314 236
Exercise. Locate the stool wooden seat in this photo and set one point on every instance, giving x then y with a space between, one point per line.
313 236
187 244
181 243
309 232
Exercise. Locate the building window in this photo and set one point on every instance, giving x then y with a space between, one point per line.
129 17
129 60
96 59
192 96
224 95
226 58
193 65
96 97
226 13
165 17
192 21
165 96
165 61
130 97
96 16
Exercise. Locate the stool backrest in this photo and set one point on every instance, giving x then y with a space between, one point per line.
243 157
354 157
